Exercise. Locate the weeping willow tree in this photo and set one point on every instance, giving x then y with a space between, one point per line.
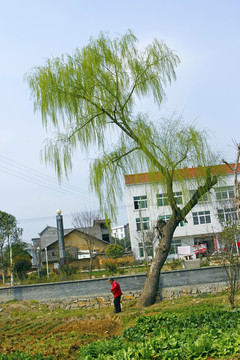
91 99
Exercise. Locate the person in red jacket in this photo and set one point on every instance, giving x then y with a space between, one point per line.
116 290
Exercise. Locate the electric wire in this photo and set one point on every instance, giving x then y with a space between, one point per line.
27 174
46 218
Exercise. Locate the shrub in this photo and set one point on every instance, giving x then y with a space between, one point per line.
114 251
175 264
69 270
110 265
205 262
125 261
33 276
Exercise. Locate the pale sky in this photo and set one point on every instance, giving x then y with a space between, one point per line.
206 36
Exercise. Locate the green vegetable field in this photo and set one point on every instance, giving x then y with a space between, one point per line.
186 328
169 336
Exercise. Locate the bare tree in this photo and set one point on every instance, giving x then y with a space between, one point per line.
228 257
147 238
84 221
236 182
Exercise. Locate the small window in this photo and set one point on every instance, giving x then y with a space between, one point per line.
164 217
167 217
224 193
201 217
145 224
105 237
174 246
227 215
203 199
140 202
162 199
148 248
178 197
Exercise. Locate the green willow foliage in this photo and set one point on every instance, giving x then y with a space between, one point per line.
90 99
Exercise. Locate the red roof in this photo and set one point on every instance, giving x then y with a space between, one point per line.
185 173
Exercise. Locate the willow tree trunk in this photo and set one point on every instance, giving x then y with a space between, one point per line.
151 287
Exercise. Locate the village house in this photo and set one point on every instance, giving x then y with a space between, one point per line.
76 241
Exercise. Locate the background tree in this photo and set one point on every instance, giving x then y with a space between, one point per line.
229 258
236 182
84 221
124 242
148 240
3 260
9 233
91 99
22 264
114 251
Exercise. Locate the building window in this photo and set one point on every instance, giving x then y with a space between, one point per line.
105 237
145 224
178 197
227 215
164 217
148 248
167 217
224 193
203 199
174 246
162 199
201 217
140 202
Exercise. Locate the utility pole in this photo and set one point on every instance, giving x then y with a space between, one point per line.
61 244
39 262
11 260
46 254
143 237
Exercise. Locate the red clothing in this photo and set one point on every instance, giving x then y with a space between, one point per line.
116 290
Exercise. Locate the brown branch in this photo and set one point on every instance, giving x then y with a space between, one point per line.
81 127
225 162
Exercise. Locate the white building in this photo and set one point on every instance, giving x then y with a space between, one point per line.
147 201
118 232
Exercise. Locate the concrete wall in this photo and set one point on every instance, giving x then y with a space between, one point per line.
181 279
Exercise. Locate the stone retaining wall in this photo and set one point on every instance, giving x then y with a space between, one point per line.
98 302
95 293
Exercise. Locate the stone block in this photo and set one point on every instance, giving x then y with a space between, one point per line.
100 299
128 297
82 304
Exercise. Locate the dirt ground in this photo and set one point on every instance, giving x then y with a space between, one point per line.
32 329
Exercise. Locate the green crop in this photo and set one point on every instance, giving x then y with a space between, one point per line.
169 336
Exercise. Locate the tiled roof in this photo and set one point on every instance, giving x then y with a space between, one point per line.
49 235
185 173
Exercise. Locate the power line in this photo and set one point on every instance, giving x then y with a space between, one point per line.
27 174
46 218
40 219
28 169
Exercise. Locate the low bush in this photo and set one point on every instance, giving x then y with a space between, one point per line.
175 264
110 265
125 261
